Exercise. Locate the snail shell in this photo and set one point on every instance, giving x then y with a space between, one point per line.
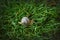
24 21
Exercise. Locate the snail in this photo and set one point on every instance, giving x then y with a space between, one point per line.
26 21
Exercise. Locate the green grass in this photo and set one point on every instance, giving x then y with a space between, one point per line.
45 27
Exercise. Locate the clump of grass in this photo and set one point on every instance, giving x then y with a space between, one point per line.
44 16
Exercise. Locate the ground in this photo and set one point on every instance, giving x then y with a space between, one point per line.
46 24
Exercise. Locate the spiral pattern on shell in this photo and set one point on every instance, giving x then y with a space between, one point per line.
25 20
